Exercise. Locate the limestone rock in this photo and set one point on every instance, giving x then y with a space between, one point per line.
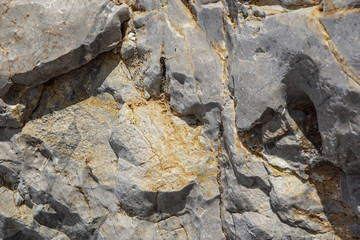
18 105
293 115
43 39
179 119
160 158
337 4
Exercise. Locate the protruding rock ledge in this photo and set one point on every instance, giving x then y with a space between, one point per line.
43 39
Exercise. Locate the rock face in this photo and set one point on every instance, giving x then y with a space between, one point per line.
43 39
179 119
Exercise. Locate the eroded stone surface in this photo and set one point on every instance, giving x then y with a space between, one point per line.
210 120
160 156
43 39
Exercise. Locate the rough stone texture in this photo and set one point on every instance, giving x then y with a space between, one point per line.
330 5
179 119
42 39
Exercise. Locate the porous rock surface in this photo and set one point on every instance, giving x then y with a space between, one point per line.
180 119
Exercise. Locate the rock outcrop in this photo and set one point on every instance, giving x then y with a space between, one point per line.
180 119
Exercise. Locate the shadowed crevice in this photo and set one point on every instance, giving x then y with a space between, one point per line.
300 78
75 86
328 180
302 110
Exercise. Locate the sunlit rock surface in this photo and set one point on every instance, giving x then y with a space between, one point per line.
179 119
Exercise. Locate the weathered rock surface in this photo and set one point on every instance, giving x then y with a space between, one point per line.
179 119
43 39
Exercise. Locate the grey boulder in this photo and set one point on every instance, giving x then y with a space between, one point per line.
43 39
